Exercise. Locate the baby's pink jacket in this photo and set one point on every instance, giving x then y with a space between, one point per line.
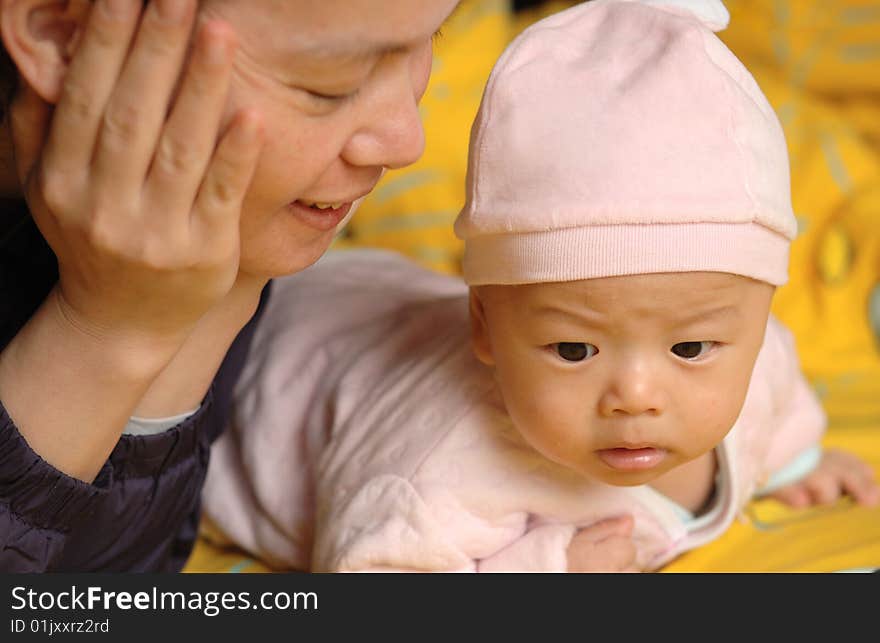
366 437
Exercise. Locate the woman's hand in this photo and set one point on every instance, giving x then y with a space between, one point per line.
129 185
837 473
139 196
606 546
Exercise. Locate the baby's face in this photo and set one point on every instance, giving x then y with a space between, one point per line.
623 378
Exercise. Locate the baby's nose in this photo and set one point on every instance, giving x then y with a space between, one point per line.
633 390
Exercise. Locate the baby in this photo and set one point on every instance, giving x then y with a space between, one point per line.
628 219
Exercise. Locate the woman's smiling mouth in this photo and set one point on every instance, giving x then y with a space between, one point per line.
320 216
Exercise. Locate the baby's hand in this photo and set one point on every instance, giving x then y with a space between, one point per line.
606 546
131 182
838 473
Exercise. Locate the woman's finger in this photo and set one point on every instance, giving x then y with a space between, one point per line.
137 110
229 174
88 84
190 136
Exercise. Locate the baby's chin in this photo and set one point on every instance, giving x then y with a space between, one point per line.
628 479
598 472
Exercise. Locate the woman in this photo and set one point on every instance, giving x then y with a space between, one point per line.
170 198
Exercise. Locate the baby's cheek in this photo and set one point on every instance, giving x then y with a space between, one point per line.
710 419
543 426
726 412
725 391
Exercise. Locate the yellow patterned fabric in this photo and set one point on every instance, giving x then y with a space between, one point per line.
819 64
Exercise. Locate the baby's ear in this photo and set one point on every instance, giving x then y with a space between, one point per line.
40 37
480 330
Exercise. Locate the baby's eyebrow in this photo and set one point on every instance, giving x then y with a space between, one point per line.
585 315
597 318
710 313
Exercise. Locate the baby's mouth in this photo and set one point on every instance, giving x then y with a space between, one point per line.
632 459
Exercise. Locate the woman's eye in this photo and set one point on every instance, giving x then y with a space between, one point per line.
331 97
575 351
692 350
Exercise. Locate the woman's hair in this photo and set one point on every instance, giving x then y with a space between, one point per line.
8 82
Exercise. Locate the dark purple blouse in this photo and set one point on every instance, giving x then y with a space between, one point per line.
142 511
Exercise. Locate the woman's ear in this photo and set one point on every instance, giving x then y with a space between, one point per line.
40 37
479 330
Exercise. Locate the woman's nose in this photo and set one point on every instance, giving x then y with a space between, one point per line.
633 389
391 134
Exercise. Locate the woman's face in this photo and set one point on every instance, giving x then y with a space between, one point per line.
337 83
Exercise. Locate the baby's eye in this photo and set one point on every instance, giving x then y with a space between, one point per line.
575 351
692 350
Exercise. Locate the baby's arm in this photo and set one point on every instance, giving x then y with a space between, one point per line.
837 473
382 526
387 526
605 546
804 474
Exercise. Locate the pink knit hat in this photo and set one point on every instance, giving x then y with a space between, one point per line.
622 137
